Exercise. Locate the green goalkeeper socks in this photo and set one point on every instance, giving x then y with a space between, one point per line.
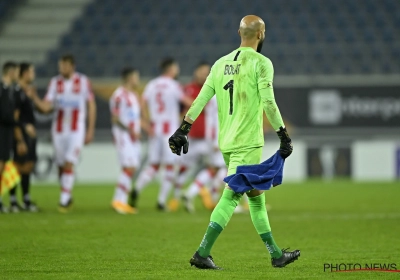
259 217
219 219
209 239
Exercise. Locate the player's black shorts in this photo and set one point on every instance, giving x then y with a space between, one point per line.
30 155
6 140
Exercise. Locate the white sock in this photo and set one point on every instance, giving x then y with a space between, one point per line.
145 177
123 187
166 185
202 179
179 181
218 183
67 184
178 191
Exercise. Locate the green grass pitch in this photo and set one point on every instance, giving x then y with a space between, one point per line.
337 222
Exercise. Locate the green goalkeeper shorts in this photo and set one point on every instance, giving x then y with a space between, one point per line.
247 156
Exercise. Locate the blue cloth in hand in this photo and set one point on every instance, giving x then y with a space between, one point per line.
258 176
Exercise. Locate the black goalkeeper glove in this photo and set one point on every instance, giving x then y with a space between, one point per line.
286 147
179 139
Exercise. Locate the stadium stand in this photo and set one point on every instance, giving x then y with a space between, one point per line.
303 37
30 28
5 6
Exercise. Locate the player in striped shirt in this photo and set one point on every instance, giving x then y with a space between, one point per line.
125 119
70 97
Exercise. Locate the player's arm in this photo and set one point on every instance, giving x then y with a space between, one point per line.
206 93
265 88
271 108
145 116
145 122
115 119
92 112
179 139
115 111
42 105
45 105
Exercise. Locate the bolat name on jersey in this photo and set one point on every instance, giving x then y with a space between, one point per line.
232 69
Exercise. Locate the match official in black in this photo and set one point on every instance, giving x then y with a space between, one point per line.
25 163
9 117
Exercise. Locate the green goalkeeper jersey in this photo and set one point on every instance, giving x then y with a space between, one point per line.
237 79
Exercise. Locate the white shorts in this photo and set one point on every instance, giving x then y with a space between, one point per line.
128 151
159 151
68 146
199 149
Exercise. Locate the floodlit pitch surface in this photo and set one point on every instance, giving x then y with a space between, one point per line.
331 223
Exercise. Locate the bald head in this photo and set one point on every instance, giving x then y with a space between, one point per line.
250 27
252 32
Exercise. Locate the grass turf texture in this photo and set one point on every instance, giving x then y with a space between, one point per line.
338 222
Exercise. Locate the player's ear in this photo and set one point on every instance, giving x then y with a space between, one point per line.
239 32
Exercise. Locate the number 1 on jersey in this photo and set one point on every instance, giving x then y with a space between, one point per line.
229 86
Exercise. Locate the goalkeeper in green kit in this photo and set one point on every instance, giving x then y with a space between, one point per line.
243 84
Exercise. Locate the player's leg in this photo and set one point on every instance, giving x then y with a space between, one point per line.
145 176
74 144
14 206
180 179
224 209
26 177
60 147
259 217
24 169
218 183
220 217
186 162
203 178
169 160
122 190
243 207
67 183
25 185
129 157
59 152
217 163
152 168
149 172
25 165
166 186
19 160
